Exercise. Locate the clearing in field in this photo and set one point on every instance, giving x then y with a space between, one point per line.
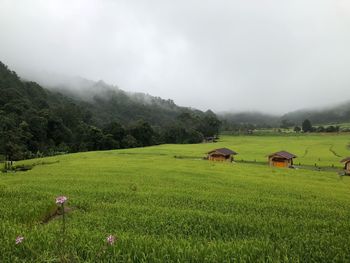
166 209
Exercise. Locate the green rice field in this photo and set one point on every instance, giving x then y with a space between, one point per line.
166 204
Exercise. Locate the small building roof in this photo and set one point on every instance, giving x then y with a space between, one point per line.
284 154
223 151
345 160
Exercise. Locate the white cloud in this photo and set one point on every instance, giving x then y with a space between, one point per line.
241 55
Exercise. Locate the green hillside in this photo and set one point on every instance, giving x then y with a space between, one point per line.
183 209
110 103
35 121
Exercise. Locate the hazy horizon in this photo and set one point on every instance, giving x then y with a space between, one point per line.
264 56
52 80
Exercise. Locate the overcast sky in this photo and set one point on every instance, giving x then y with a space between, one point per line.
268 55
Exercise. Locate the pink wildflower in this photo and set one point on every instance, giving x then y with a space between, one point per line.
61 200
110 239
19 239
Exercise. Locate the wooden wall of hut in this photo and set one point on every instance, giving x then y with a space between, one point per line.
277 162
219 158
347 167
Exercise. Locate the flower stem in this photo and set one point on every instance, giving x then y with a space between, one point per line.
63 220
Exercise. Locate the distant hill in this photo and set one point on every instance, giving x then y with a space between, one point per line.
91 116
330 115
110 103
327 116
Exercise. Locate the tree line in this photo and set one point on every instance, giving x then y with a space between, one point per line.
36 122
306 126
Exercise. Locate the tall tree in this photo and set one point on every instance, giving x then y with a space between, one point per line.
307 126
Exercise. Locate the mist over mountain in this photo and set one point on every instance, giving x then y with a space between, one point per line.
35 121
256 118
101 94
328 115
333 114
85 89
109 102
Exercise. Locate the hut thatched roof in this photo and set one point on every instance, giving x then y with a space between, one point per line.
284 154
347 159
223 151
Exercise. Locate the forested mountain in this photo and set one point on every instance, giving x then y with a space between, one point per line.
330 115
247 120
109 102
251 120
36 121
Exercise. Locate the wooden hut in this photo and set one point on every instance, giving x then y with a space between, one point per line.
346 162
281 159
222 154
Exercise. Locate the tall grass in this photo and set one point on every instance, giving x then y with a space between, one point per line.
166 209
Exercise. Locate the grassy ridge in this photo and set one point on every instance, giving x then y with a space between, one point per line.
169 209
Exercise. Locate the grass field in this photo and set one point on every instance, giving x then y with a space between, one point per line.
184 209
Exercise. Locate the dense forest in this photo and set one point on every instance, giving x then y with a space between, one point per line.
110 103
245 121
35 121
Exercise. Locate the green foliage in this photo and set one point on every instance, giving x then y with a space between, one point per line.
285 124
237 121
36 122
129 141
143 133
297 129
209 124
307 126
332 128
116 130
191 128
